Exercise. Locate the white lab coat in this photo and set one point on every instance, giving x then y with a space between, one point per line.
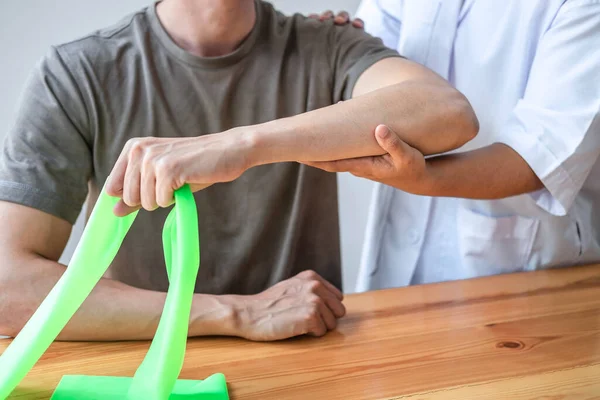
531 70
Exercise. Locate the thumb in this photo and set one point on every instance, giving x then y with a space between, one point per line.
390 141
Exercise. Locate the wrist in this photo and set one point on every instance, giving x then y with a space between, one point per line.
249 141
266 143
432 182
213 315
241 141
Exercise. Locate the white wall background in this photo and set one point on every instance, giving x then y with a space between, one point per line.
29 27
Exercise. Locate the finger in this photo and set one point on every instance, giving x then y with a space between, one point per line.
342 18
114 184
121 209
361 166
317 325
313 276
358 23
131 183
326 15
390 142
196 187
336 292
148 188
164 192
354 165
313 16
315 280
328 166
332 300
327 316
334 304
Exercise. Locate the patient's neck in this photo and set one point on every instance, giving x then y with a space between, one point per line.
207 28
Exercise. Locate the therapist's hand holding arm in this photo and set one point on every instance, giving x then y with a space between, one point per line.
424 109
492 172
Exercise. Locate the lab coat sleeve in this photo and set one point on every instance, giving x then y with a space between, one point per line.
379 22
555 127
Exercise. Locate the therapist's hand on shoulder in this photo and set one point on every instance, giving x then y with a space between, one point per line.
342 18
403 167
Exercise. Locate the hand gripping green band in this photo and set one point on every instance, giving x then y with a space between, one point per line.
156 378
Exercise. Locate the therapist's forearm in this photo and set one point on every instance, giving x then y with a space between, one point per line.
431 117
492 172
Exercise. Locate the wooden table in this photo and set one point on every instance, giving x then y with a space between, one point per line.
522 336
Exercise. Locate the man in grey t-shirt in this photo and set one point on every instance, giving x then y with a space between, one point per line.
228 92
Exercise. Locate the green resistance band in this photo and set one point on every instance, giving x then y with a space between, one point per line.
156 378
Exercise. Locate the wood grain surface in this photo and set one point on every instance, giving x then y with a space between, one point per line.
521 336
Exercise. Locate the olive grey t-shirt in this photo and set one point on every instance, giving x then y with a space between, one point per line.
88 97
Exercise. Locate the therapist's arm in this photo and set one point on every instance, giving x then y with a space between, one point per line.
551 139
423 108
492 172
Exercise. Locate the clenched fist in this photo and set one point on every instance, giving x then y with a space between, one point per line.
150 169
304 304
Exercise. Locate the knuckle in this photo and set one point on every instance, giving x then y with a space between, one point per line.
166 166
131 142
141 144
148 161
309 318
151 151
315 301
309 274
137 148
314 285
134 142
162 163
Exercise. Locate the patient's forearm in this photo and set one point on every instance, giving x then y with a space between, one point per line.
113 311
430 117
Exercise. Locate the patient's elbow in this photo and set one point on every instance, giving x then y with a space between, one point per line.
12 313
462 118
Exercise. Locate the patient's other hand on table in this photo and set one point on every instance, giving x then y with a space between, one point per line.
305 304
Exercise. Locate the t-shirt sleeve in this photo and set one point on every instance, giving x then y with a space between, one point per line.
352 52
46 161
